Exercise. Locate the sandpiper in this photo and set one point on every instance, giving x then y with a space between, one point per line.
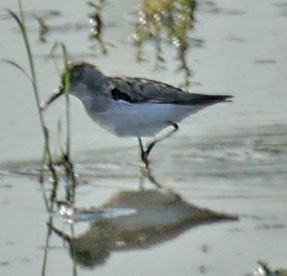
137 107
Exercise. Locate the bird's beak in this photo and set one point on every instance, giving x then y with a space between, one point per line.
59 92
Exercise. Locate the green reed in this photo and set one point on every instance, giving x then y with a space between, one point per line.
47 158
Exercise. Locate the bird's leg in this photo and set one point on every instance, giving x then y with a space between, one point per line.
146 172
145 153
152 144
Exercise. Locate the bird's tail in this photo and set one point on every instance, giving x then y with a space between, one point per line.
200 99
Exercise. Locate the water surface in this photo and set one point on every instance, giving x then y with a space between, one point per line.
229 158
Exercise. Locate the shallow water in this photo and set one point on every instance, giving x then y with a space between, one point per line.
229 158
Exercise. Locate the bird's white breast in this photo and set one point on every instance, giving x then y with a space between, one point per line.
141 119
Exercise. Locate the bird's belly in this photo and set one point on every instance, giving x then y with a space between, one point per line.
141 119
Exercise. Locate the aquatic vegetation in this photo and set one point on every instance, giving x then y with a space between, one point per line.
96 26
165 21
265 270
47 159
43 29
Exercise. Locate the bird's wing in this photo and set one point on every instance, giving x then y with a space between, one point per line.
139 90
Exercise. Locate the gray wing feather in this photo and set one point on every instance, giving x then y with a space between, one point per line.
143 90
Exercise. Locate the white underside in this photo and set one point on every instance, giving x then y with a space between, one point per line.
141 120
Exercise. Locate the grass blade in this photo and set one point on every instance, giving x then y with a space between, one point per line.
11 62
21 24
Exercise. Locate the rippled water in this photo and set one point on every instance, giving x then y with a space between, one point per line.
229 158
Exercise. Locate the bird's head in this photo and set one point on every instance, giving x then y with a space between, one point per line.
78 79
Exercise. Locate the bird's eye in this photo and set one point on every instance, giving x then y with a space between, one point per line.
76 74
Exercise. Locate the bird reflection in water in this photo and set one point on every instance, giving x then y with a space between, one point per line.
158 216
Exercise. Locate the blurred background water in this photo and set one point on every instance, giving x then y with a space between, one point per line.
229 157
